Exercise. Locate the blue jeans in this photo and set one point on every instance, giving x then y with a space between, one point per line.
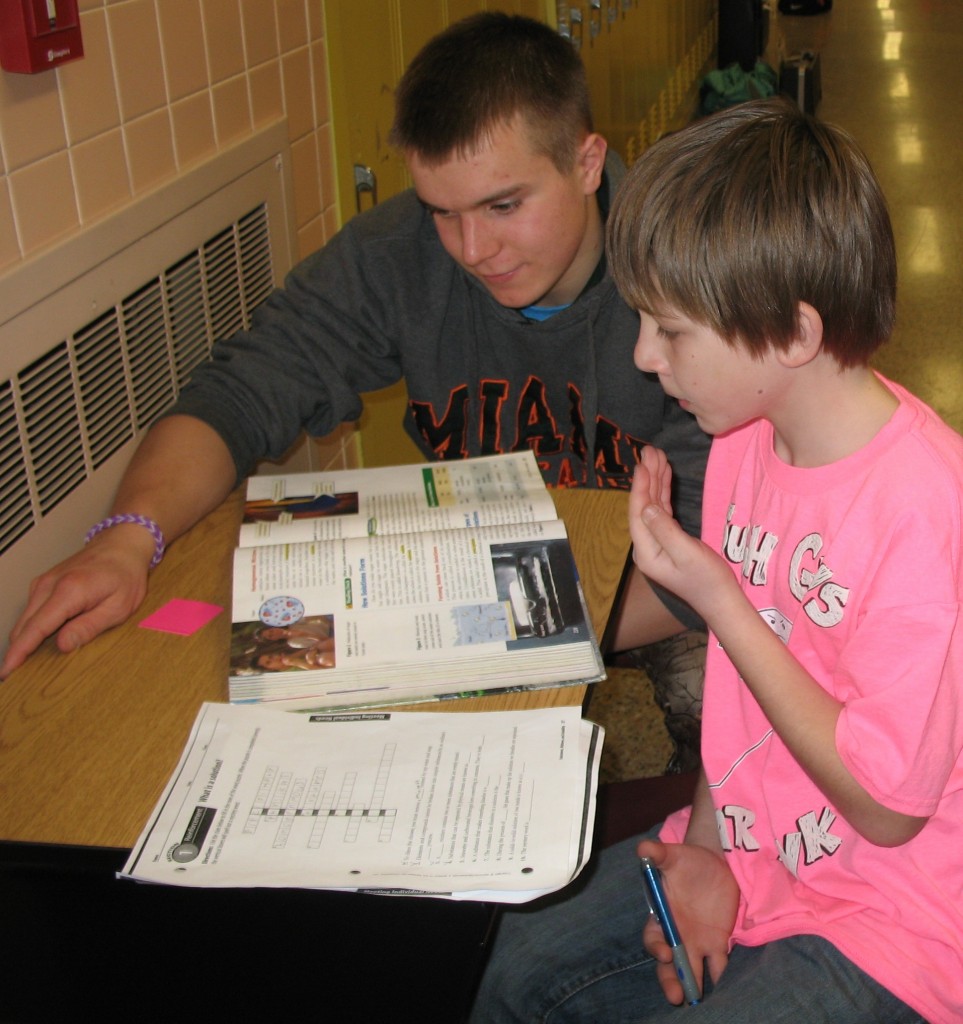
578 957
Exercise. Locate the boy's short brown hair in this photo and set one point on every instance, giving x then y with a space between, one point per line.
738 218
483 72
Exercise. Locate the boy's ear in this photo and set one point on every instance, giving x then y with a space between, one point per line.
590 161
808 341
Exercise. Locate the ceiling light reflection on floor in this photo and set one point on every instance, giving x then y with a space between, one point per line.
899 88
909 146
926 252
892 45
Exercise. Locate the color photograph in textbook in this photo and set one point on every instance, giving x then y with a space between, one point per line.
478 593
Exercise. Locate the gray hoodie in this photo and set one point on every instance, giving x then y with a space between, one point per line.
382 301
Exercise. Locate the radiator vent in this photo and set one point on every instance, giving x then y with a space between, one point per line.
63 415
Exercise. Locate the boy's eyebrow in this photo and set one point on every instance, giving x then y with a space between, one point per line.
496 197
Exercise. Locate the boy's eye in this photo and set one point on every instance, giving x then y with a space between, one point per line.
509 206
667 334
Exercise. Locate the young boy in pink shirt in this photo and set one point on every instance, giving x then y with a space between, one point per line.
817 875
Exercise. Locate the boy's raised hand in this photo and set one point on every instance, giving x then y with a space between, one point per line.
652 483
704 898
661 549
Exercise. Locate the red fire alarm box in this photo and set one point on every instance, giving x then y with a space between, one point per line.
36 35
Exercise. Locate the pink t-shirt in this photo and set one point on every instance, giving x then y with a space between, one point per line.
857 566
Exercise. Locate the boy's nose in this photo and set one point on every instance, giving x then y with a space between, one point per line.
477 241
647 355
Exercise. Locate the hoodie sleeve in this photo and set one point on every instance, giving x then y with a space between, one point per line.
314 345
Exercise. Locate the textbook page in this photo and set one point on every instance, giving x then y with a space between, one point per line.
409 617
490 805
395 499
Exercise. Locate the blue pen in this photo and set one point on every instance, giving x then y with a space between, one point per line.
659 905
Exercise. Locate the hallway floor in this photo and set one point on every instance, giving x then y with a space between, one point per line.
892 75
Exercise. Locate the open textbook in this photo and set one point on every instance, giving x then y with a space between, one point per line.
493 490
413 583
493 806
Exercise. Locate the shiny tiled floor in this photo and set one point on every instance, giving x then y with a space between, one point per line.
892 75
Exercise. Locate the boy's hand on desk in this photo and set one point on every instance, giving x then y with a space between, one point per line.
704 897
99 587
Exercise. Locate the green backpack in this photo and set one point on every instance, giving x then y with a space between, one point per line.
726 87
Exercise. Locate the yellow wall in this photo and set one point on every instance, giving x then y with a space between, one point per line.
645 59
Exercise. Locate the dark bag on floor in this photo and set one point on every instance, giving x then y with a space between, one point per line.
805 6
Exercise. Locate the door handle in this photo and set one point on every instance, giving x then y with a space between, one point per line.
365 181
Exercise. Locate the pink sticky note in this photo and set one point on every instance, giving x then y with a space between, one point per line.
181 616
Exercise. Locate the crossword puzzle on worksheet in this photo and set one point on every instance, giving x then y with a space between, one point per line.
289 802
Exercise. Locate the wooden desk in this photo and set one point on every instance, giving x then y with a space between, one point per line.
88 740
87 743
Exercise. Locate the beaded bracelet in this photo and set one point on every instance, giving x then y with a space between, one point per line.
127 517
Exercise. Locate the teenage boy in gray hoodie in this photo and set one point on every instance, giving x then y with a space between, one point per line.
484 287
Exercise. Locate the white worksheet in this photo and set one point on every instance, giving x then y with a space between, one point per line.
493 806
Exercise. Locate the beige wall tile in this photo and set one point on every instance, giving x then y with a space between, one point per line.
100 175
316 19
43 202
232 115
267 97
298 93
9 243
326 165
332 222
140 106
292 24
319 71
260 31
193 129
182 46
31 121
150 150
304 171
222 34
87 87
137 57
311 237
